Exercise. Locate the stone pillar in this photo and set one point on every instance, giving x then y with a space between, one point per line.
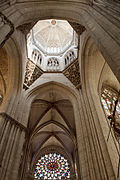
103 25
94 158
12 136
80 134
6 29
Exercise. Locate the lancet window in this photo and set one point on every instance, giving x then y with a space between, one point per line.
53 64
36 57
69 57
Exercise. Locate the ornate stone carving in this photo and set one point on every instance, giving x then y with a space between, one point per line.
33 72
53 64
72 72
77 27
4 21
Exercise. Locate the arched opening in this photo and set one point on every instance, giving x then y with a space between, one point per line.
52 129
59 112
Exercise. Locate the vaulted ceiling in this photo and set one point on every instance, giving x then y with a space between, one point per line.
52 123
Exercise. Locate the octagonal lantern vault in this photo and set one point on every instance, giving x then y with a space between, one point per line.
52 45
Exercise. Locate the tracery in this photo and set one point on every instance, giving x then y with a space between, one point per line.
69 57
108 98
36 57
52 64
52 166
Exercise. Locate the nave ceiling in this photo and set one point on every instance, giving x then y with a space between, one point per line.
52 122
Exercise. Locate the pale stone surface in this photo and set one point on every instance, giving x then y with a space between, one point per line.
52 113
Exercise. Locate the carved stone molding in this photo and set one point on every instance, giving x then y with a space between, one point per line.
72 72
4 21
33 72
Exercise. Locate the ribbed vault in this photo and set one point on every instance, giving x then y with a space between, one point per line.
51 124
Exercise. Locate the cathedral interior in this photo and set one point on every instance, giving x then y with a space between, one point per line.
59 89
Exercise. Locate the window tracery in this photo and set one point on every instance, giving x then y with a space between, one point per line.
108 98
52 166
69 57
52 64
36 57
111 105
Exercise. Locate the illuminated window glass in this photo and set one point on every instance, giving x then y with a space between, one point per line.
108 99
52 166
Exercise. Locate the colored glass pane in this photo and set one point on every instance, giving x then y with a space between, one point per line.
52 166
108 99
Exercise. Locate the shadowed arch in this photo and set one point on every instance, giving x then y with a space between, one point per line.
57 10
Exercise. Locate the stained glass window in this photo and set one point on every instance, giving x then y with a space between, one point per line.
108 99
52 166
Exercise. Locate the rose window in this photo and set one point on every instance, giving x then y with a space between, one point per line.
52 166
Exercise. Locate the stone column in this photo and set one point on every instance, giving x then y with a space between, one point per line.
94 158
6 29
80 134
12 136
